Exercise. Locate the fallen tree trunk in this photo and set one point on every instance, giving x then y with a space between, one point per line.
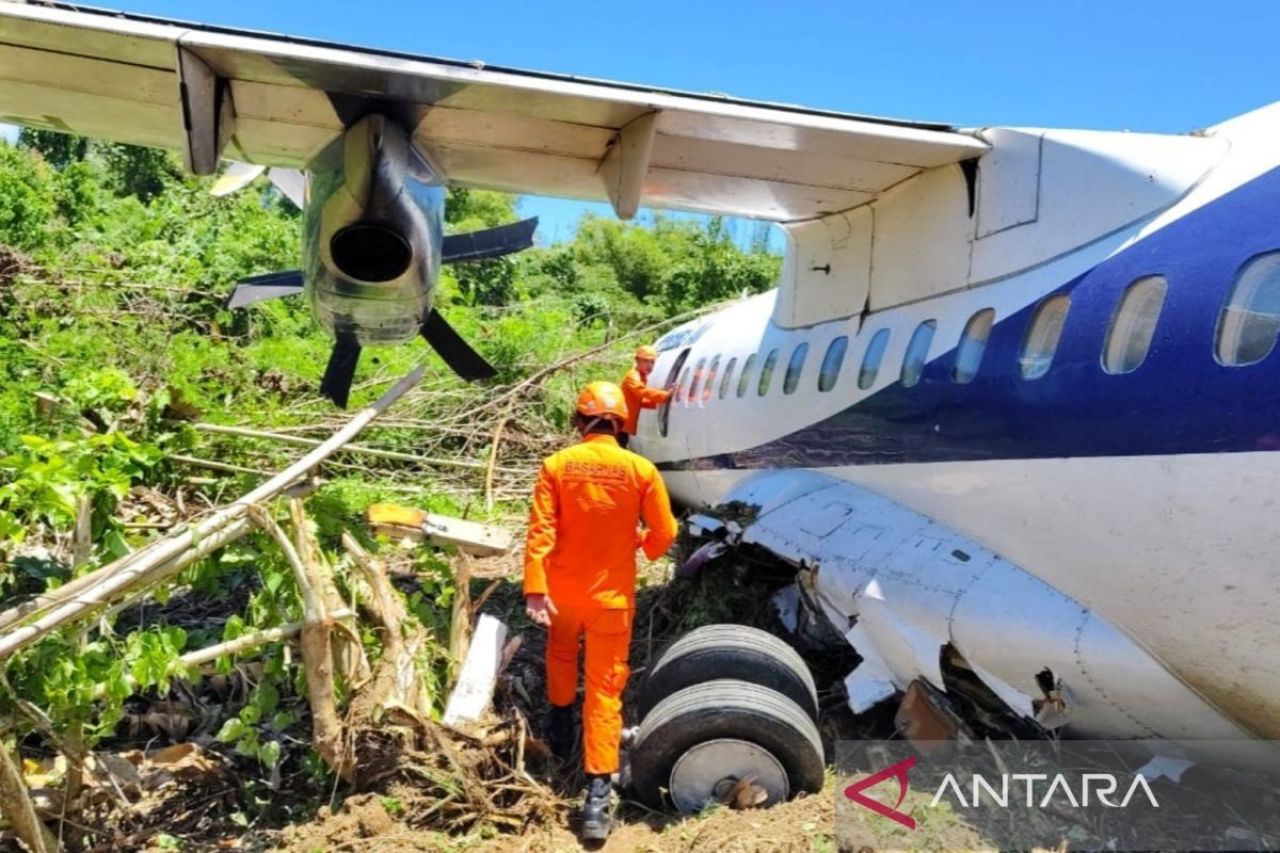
89 600
348 650
327 733
395 681
168 548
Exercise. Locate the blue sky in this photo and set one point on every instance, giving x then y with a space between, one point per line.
1153 66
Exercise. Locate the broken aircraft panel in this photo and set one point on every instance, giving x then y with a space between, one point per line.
905 592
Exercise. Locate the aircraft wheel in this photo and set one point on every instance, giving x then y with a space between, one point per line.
736 651
696 745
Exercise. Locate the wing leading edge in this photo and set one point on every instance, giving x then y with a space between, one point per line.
210 92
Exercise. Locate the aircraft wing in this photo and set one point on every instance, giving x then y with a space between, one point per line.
212 92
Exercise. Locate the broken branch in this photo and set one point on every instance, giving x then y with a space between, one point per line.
252 640
15 804
247 432
327 732
166 549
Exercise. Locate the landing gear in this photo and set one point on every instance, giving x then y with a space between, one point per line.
729 651
725 741
727 770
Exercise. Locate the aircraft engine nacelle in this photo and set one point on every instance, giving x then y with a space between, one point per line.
372 245
372 234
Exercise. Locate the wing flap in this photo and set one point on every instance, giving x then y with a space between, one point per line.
484 127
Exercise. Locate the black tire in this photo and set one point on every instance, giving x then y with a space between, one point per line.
735 651
725 709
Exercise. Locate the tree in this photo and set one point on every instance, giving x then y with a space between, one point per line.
142 172
27 201
58 149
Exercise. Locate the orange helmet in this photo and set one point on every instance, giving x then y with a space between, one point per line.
647 352
602 400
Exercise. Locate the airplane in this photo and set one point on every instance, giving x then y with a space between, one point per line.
1007 413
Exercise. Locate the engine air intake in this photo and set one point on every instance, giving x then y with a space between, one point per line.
370 252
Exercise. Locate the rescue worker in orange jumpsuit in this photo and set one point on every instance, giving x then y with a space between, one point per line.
637 394
580 580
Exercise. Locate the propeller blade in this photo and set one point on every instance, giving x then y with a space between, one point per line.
341 371
269 286
489 243
292 183
237 177
455 351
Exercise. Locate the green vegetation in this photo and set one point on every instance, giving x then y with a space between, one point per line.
113 341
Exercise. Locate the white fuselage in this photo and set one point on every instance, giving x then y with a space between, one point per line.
1146 492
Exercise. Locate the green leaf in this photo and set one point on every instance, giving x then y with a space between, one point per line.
115 545
232 628
232 730
269 753
248 745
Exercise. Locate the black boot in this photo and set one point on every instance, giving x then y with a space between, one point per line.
596 820
560 731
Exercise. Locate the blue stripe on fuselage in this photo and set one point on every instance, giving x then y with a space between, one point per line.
1179 400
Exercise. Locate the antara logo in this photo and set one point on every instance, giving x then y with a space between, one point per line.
893 771
1058 787
1040 790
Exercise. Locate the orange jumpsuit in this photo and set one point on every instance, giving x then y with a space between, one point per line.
581 553
639 395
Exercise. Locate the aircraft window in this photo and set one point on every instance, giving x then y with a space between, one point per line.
871 361
1042 337
1134 324
917 352
766 372
832 362
1250 319
973 344
794 367
683 385
697 381
664 411
728 378
709 386
745 379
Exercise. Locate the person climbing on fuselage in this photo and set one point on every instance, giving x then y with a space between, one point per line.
637 394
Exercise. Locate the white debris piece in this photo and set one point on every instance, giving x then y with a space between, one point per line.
474 692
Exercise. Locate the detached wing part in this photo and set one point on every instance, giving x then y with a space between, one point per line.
218 93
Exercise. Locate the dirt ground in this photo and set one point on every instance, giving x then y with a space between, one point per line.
805 824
